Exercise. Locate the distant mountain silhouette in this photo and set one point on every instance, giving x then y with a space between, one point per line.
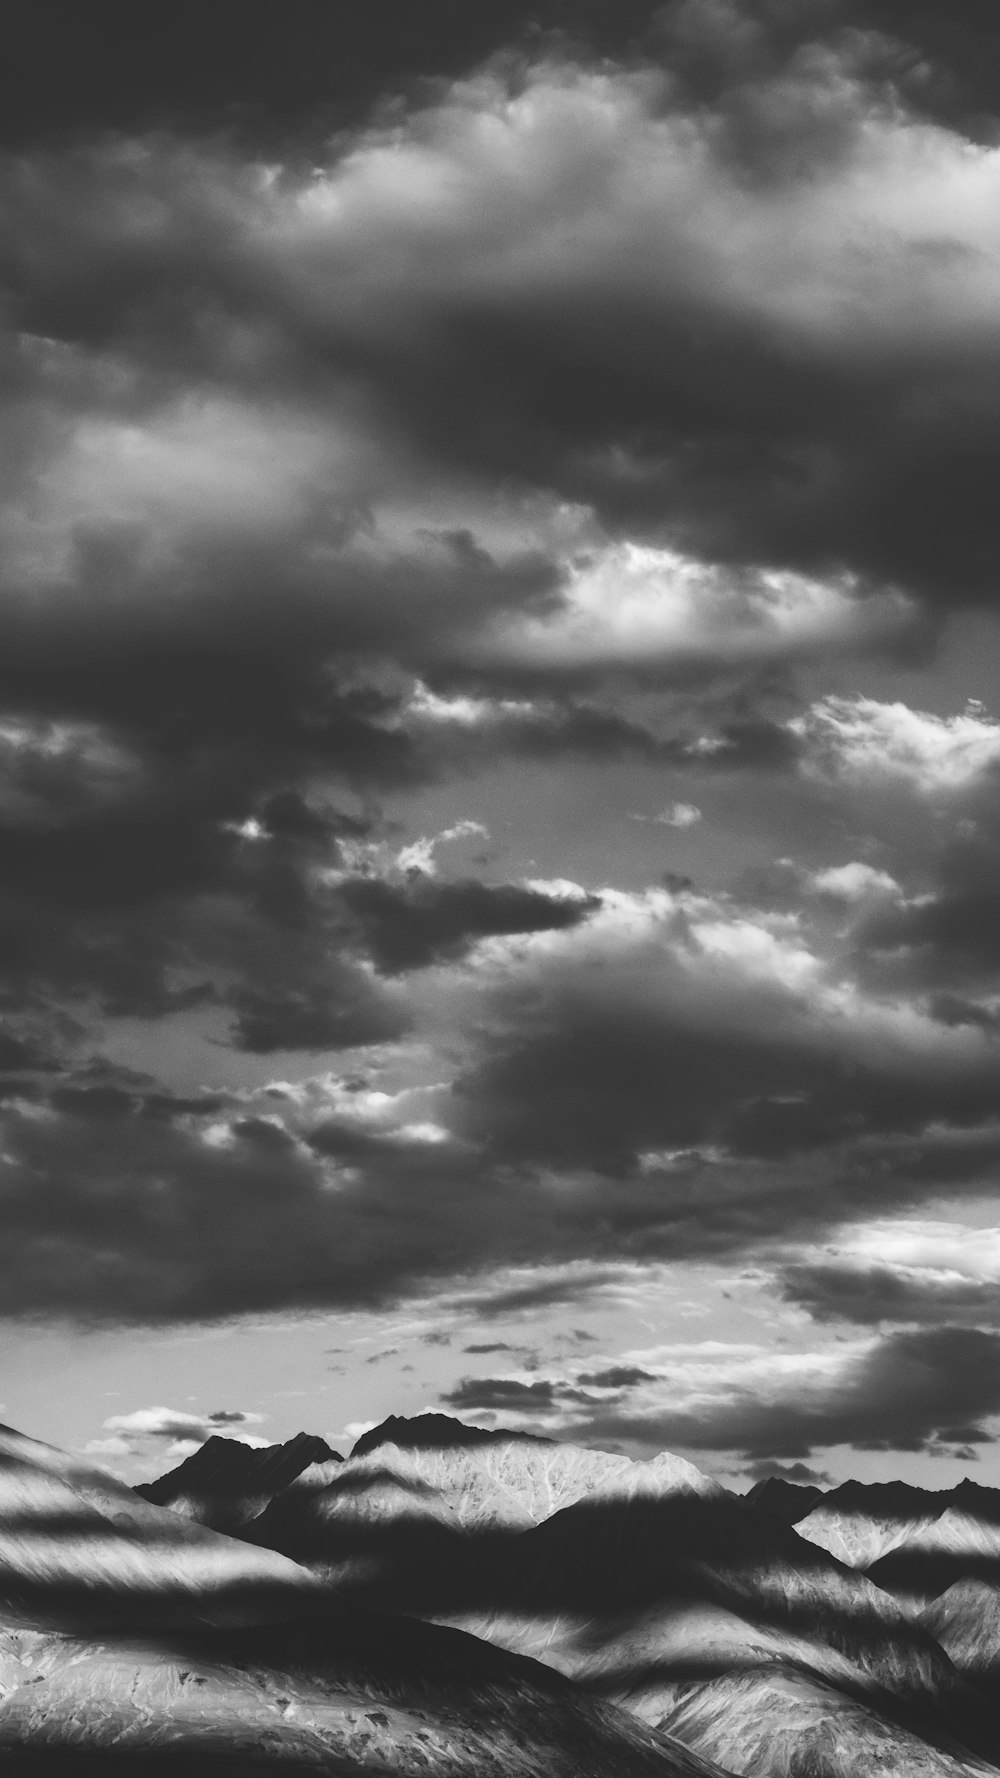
437 1432
225 1483
788 1501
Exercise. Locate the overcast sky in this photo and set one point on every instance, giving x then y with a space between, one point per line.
500 726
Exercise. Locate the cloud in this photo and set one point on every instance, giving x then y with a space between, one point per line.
419 923
615 1376
677 815
630 1084
173 1423
896 1393
673 1029
906 1272
567 409
871 742
500 1394
802 1474
853 883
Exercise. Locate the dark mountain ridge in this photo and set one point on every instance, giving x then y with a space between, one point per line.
225 1483
788 1501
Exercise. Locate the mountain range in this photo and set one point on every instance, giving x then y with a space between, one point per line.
461 1600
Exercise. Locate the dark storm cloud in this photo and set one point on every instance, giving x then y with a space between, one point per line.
894 1397
575 1285
593 1090
475 1394
871 1293
617 1376
762 1468
238 67
333 465
125 915
631 363
420 922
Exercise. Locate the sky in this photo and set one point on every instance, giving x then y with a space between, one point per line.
500 727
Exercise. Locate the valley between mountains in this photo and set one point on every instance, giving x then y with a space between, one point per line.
454 1600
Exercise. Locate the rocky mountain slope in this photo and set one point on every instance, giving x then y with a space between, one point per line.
120 1653
860 1521
75 1543
953 1547
225 1484
965 1620
778 1722
649 1580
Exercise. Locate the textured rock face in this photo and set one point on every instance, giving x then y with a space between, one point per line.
75 1541
777 1722
347 1695
965 1620
635 1578
226 1484
645 1583
402 1515
913 1542
135 1641
498 1479
956 1546
859 1522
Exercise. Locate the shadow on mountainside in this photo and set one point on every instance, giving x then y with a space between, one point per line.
597 1589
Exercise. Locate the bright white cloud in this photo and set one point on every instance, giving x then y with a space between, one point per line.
177 1423
639 607
872 743
419 854
854 882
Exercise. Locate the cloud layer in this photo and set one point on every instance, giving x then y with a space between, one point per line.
616 410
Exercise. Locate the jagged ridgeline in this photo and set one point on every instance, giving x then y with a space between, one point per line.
450 1599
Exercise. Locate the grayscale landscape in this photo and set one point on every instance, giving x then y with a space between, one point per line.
500 888
449 1599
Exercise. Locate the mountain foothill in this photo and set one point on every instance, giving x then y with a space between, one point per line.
480 1603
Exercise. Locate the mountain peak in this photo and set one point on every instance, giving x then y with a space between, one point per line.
437 1432
226 1483
782 1499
